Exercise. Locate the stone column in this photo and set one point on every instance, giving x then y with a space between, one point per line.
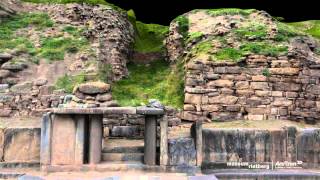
150 139
95 140
164 142
198 128
45 147
79 144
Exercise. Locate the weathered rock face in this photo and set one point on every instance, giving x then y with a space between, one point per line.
20 145
223 145
108 27
182 152
8 7
226 81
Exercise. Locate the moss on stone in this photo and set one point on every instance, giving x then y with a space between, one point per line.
91 2
68 82
229 54
255 31
183 23
194 36
202 47
264 48
150 37
230 11
156 80
311 27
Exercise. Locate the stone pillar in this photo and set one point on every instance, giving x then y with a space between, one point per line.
164 142
95 140
150 139
45 147
198 128
79 144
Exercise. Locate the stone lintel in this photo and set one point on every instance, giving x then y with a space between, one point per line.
149 111
110 110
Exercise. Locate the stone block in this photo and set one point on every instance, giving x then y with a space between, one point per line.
259 85
4 73
226 91
227 70
281 102
255 117
291 94
22 88
281 86
21 145
212 76
1 143
257 111
104 97
262 93
240 85
254 101
223 99
277 93
125 131
284 71
182 151
232 108
220 83
189 107
94 87
5 112
211 108
192 98
245 92
259 78
191 116
106 132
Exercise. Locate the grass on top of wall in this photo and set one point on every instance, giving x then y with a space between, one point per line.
150 37
156 80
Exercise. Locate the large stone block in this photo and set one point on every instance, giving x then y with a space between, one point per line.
125 131
22 88
220 83
1 144
182 151
94 87
21 145
284 71
192 98
260 85
242 85
223 99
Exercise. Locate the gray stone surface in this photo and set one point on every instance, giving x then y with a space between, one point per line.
22 88
182 151
125 131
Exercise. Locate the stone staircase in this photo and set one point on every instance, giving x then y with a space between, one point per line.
123 151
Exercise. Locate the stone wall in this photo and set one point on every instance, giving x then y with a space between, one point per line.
290 144
20 145
261 87
132 126
28 99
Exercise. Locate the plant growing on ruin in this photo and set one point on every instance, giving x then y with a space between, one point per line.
230 11
266 72
183 23
68 82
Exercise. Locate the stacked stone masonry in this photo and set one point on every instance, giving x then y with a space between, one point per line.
259 88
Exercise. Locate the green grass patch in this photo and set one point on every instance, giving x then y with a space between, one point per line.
68 82
150 37
264 48
55 48
202 47
154 81
91 2
311 27
285 32
266 72
230 11
229 54
253 31
183 23
194 35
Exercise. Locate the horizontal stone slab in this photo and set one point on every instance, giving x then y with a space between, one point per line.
110 110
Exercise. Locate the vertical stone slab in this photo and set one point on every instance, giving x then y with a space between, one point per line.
45 145
79 147
164 142
150 140
198 139
1 143
291 144
95 140
63 140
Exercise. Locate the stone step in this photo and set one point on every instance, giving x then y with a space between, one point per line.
122 157
131 149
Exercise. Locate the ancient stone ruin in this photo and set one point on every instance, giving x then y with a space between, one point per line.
249 97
